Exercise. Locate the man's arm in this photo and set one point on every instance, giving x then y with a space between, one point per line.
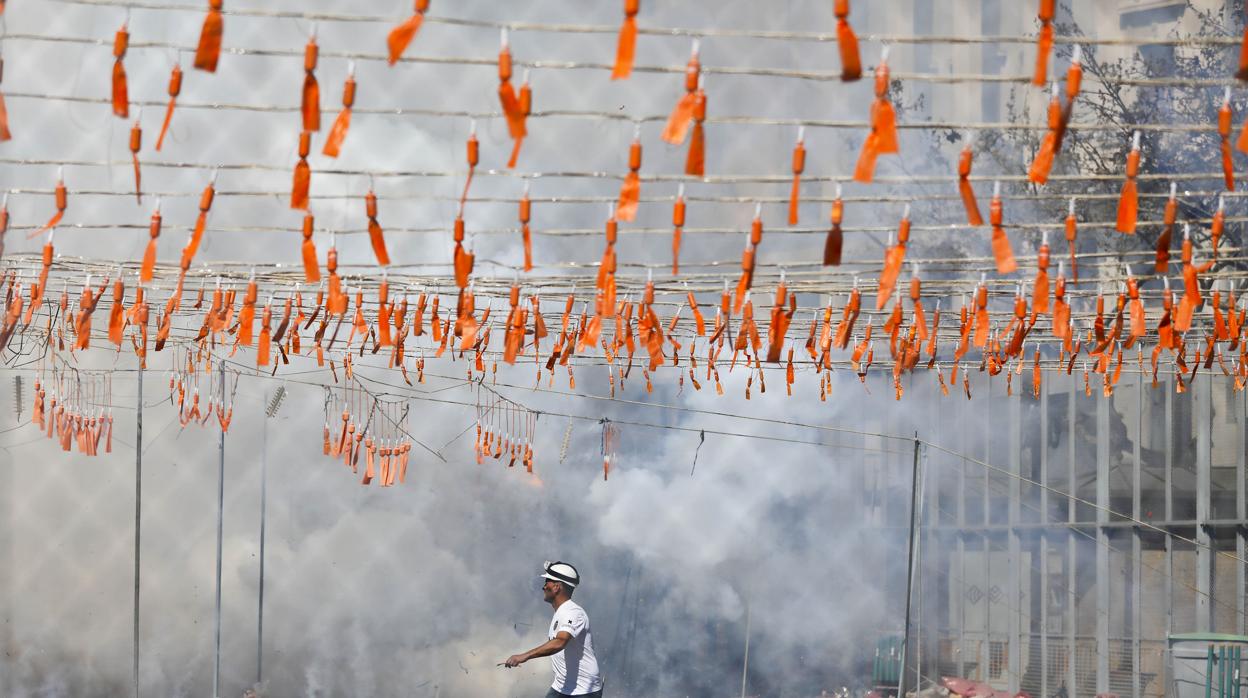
543 650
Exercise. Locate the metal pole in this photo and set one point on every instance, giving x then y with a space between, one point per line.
1209 672
918 583
745 664
264 466
914 506
216 621
138 510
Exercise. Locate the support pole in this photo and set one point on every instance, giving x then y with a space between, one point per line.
914 508
1137 548
961 541
1072 599
216 619
1044 538
264 479
1241 512
1203 399
1168 580
745 663
1017 632
138 512
1102 540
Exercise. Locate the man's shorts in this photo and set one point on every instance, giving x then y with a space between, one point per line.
552 693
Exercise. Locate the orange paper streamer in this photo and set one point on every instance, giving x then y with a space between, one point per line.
1224 135
62 202
1162 260
630 190
402 35
303 174
201 222
513 109
338 132
336 303
121 99
209 49
1001 251
525 100
1040 288
1128 200
136 142
678 122
310 103
626 47
894 256
526 213
1217 226
678 225
883 137
1038 173
473 150
847 43
149 254
965 160
1072 231
5 134
799 165
311 271
463 260
1044 41
374 229
834 242
1074 82
695 162
175 88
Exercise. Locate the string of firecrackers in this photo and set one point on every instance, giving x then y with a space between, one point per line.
505 430
371 430
689 111
138 312
910 336
74 408
194 372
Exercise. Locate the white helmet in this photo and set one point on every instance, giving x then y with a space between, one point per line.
561 572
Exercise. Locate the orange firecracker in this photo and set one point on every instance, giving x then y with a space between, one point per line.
338 132
149 254
121 98
847 43
883 137
1044 41
834 242
678 226
310 102
630 190
5 134
626 47
402 35
965 161
175 88
799 165
209 49
1001 251
303 174
1128 200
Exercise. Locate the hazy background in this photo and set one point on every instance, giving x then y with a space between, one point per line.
422 589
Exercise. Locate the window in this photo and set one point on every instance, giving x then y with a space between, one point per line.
996 658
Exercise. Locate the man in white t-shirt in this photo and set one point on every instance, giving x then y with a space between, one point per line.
568 642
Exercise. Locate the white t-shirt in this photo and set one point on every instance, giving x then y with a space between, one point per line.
576 668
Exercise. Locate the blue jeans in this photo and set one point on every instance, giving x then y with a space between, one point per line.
552 693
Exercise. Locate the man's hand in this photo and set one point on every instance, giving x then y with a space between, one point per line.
515 660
